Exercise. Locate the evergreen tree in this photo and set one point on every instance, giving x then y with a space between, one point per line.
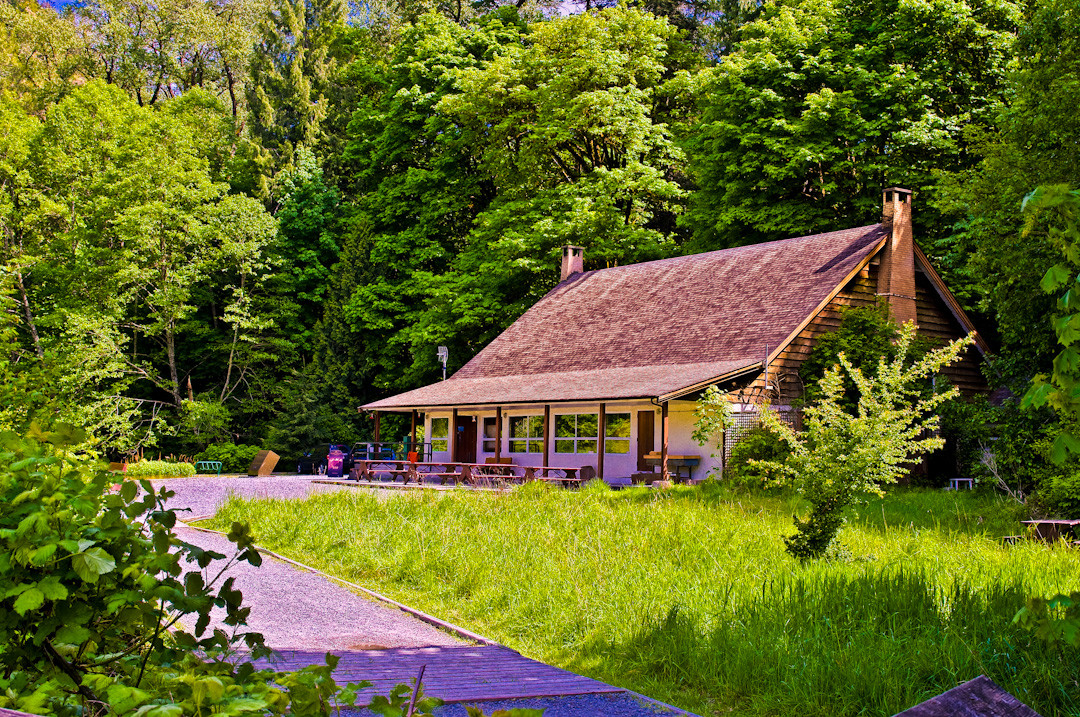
290 75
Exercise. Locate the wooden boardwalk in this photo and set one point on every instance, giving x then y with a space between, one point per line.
454 674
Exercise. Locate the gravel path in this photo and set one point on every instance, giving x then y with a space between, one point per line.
617 705
202 496
298 610
295 609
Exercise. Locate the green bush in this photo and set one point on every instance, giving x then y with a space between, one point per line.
160 469
759 444
103 610
235 458
1060 494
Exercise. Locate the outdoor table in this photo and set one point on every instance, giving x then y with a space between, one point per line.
675 463
1053 530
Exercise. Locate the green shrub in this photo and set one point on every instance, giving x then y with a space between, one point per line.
1060 494
160 469
759 444
103 610
235 458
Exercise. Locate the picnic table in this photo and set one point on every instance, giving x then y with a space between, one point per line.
1053 530
475 474
425 471
675 464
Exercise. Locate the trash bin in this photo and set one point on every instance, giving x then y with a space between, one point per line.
335 464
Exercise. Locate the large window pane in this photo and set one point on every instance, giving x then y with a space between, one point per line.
536 426
565 426
490 431
617 425
586 426
440 427
519 426
440 432
616 445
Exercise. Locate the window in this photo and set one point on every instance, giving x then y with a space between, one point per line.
617 433
526 434
576 433
440 434
491 437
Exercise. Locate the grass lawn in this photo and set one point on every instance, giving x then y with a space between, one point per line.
688 596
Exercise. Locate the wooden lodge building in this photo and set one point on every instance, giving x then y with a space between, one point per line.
606 368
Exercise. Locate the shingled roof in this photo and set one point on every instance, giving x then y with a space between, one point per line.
649 330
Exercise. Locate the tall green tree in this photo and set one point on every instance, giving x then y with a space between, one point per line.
1029 141
416 182
117 232
575 128
825 102
290 75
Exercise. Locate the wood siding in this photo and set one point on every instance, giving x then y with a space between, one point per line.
935 321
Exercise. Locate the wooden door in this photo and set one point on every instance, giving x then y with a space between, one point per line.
465 440
645 437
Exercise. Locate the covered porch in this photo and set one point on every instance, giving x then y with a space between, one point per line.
616 439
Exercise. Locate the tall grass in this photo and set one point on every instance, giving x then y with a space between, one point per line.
688 595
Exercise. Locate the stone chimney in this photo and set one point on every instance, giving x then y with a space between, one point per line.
573 261
896 274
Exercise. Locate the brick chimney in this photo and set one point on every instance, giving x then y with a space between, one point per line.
573 261
896 275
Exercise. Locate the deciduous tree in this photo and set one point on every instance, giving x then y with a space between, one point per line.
824 102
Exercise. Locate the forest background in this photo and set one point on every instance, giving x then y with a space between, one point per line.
237 220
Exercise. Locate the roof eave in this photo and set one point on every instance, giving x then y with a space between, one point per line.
480 404
701 385
955 309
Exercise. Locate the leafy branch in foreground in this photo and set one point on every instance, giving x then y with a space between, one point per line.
842 455
1057 209
1054 212
103 609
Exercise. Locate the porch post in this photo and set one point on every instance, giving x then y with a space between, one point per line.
412 434
664 475
600 442
498 434
453 438
547 433
378 428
